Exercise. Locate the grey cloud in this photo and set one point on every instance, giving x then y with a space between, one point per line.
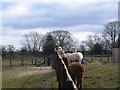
56 15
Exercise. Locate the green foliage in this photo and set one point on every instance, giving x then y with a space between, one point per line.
63 38
97 48
101 76
49 45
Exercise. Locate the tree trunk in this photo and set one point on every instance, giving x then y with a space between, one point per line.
48 61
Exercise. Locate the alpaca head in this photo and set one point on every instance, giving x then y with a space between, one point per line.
61 52
73 49
60 48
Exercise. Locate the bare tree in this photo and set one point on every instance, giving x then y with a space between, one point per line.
111 33
32 41
90 42
23 53
82 47
118 41
93 40
32 44
62 38
11 49
3 50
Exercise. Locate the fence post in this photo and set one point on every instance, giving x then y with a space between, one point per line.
36 62
69 85
63 77
32 61
22 61
57 66
100 58
62 74
108 58
10 62
91 58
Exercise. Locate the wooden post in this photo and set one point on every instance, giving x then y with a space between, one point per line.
32 61
100 58
36 62
22 61
62 78
108 58
58 69
44 60
11 56
48 60
91 58
10 62
69 85
62 75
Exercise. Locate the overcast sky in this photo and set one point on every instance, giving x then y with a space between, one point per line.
79 18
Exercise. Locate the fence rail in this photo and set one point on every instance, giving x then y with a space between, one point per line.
99 58
21 62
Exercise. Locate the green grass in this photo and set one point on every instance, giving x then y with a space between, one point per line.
96 76
13 78
101 76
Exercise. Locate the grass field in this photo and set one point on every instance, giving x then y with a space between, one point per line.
96 76
101 76
32 77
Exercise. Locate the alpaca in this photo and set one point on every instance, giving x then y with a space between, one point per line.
76 71
72 57
73 50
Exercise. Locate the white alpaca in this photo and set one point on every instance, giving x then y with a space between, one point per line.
72 57
73 50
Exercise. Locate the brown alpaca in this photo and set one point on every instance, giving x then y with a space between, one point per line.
76 71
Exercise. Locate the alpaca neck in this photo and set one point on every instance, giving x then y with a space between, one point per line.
64 55
61 53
